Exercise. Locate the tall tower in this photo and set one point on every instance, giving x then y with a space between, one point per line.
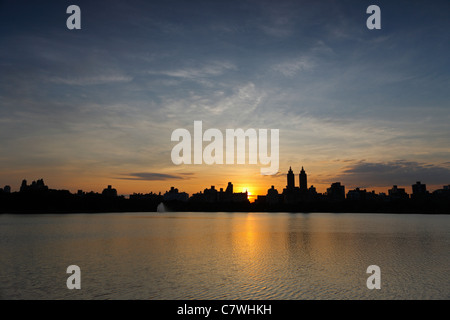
303 180
229 188
290 179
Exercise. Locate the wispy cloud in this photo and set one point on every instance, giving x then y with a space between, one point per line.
91 80
218 108
212 69
151 176
292 67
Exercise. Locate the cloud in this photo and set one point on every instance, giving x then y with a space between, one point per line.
218 108
151 176
216 68
292 67
398 172
93 80
276 175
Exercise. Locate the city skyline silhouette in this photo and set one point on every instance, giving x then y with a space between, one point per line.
290 185
295 197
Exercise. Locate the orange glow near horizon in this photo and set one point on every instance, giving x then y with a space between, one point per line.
250 194
187 179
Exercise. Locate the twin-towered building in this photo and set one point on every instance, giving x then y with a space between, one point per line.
303 185
336 192
293 194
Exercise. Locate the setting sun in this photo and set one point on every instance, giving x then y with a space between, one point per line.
250 195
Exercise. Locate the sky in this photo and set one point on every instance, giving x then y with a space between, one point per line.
88 108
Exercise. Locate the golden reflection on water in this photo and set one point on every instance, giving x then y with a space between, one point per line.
224 256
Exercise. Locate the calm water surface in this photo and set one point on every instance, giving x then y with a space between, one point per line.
224 256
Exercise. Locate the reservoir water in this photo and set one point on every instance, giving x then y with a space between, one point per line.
224 255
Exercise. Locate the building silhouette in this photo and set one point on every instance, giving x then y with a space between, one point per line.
174 195
397 193
272 196
227 195
336 192
212 195
148 196
109 192
229 188
303 180
290 180
24 186
293 194
312 191
419 191
442 193
361 195
35 186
